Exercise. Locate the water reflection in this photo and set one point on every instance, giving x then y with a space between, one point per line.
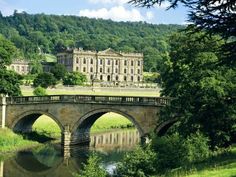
50 160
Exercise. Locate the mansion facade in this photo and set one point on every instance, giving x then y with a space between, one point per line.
104 66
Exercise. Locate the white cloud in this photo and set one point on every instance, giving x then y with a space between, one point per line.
119 2
7 9
117 13
163 5
149 15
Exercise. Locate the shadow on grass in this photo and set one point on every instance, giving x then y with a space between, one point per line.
39 137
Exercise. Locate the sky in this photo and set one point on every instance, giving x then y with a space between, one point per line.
116 10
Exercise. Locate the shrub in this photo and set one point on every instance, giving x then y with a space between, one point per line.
139 163
175 151
74 78
45 80
92 168
39 91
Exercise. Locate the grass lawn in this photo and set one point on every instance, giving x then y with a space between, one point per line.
222 165
10 141
108 121
90 92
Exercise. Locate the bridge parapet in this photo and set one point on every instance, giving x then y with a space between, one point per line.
123 100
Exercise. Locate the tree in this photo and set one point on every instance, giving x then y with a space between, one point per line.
36 67
74 78
216 17
7 51
59 71
44 80
92 168
203 88
39 91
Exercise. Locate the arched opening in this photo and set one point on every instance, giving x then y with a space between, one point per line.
107 128
38 126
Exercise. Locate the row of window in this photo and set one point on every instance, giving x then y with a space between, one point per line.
116 78
20 68
108 70
108 62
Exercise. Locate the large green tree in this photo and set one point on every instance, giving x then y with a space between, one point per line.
9 80
203 88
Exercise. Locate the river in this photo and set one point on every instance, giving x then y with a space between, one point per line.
51 160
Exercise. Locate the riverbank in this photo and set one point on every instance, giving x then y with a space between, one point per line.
219 165
11 142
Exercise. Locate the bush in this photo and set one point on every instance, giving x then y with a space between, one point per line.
39 91
139 163
45 80
74 78
92 169
174 151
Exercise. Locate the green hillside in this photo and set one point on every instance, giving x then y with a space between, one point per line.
40 33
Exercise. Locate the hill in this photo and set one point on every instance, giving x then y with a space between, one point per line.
41 33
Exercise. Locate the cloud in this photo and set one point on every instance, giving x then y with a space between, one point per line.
7 9
163 5
119 2
117 13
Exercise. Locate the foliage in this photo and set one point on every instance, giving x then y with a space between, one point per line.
74 78
59 71
36 68
174 151
44 80
9 83
92 168
139 163
7 51
202 87
152 78
40 33
39 91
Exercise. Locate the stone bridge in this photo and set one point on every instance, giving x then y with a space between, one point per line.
75 114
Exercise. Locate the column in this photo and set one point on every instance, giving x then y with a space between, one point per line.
4 104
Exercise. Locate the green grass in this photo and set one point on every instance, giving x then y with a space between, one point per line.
29 92
10 141
109 121
221 165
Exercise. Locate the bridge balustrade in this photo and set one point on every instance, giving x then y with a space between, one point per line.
90 99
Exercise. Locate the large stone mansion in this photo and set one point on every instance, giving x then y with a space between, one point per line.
99 66
106 66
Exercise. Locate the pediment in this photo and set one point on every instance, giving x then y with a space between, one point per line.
110 51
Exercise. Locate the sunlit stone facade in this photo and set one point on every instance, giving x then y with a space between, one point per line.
106 66
20 66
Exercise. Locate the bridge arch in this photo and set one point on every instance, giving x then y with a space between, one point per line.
164 126
24 122
81 129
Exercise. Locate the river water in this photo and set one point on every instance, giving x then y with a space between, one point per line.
51 160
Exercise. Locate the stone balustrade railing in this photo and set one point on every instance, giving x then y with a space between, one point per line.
131 100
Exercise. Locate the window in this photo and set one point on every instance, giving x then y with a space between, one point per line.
138 71
100 70
117 78
132 71
108 62
139 63
91 61
116 70
125 78
132 78
125 62
22 68
100 61
91 77
84 61
84 69
138 79
77 68
108 70
116 62
77 60
108 78
125 70
101 78
91 69
132 63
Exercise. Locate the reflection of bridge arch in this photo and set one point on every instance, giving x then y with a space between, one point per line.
25 121
81 130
